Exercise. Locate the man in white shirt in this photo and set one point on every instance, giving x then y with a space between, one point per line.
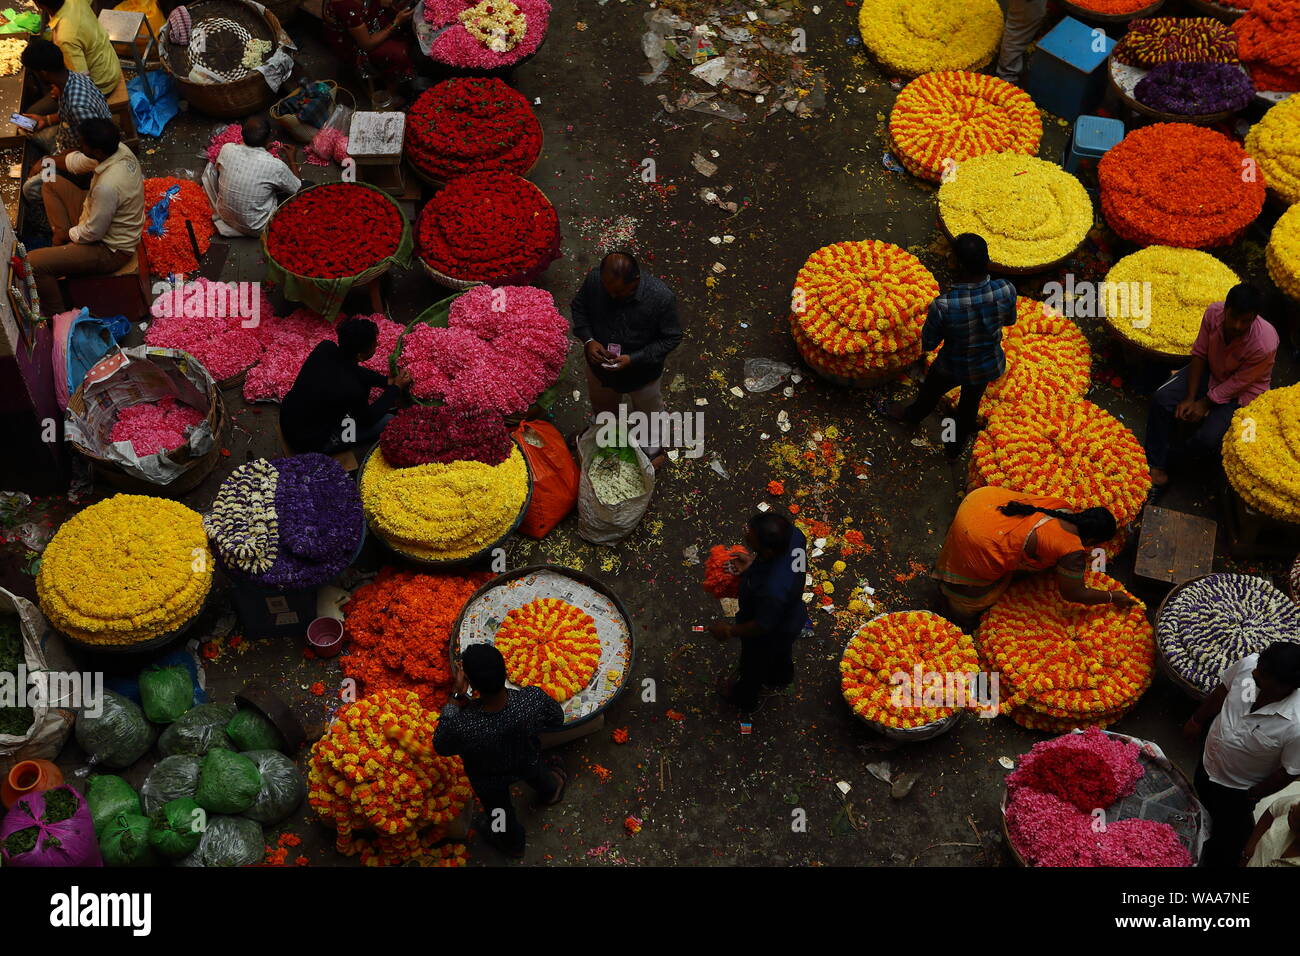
246 183
95 230
1253 747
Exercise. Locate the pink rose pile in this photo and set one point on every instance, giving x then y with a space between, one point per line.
330 145
289 340
1089 769
153 427
500 358
456 46
220 342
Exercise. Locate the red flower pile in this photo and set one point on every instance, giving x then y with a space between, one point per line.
172 253
1091 769
488 227
1268 42
718 580
305 235
1175 184
422 434
472 125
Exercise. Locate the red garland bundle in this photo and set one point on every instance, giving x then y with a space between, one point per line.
471 125
422 434
718 581
488 227
334 231
172 253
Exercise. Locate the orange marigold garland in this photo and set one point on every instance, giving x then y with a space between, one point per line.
943 119
551 644
718 580
1176 184
376 770
172 253
1063 665
1268 42
880 664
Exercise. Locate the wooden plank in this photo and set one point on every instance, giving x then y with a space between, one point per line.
1174 546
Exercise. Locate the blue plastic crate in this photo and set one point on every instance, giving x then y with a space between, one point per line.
1091 138
1067 72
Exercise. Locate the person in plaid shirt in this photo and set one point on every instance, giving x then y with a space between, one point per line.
965 324
72 98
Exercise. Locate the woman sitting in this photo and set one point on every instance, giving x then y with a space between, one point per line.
373 36
997 532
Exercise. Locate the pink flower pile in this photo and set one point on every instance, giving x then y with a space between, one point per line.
501 349
1089 769
287 342
220 342
456 46
330 145
153 427
234 133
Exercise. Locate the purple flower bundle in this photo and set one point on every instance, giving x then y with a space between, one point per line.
1195 89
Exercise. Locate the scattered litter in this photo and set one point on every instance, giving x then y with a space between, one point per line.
737 391
703 166
763 375
888 160
880 771
1007 763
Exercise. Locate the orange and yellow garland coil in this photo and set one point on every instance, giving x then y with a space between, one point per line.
551 644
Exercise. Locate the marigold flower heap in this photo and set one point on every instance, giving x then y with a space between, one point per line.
551 644
303 236
376 770
1176 184
858 308
912 37
172 252
202 318
720 582
1155 40
1282 254
1261 453
941 119
1268 42
472 125
422 434
486 34
125 570
1065 665
1183 283
898 644
1030 212
488 227
1064 448
1274 142
398 627
154 427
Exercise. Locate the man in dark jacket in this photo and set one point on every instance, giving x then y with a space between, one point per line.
496 737
329 408
628 324
771 614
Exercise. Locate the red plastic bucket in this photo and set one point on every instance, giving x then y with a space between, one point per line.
325 636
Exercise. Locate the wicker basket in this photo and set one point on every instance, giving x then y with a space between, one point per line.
1113 69
1162 662
237 98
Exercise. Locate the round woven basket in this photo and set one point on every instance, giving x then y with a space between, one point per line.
1092 16
914 735
187 481
1175 678
1116 73
233 381
1218 11
242 96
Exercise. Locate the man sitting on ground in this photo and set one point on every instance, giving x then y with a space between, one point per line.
246 182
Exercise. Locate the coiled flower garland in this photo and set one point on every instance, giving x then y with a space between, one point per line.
551 644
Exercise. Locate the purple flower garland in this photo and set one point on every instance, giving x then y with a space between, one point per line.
1195 89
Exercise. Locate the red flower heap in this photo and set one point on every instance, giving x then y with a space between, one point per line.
719 581
334 231
422 434
1089 770
172 253
471 125
1175 184
1268 42
488 227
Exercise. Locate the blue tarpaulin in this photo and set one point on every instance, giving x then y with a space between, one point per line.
152 116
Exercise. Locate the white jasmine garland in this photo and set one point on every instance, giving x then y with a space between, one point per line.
242 523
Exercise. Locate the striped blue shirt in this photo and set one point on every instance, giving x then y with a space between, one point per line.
968 320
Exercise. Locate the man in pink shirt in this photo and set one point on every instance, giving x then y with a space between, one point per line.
1232 362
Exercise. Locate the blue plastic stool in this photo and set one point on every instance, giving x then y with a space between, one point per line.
1092 137
1066 74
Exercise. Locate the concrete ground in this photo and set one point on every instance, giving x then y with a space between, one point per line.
708 795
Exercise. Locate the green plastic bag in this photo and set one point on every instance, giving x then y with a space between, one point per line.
108 795
176 828
125 841
165 693
228 782
119 736
250 730
198 730
170 778
282 787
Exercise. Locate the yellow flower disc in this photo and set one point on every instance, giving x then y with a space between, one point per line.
1183 283
1031 212
1261 453
912 37
443 512
1274 143
125 570
1282 254
943 119
551 644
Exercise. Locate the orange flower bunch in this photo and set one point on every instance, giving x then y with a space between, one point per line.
858 307
1046 355
1268 42
550 644
940 120
376 769
718 581
1063 448
1176 184
398 627
1063 665
880 667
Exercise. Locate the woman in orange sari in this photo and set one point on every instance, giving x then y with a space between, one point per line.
997 532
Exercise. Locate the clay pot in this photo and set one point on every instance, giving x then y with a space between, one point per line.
29 776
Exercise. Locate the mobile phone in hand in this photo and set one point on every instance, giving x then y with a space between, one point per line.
26 122
614 350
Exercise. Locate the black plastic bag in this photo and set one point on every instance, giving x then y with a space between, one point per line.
228 841
198 730
282 787
119 736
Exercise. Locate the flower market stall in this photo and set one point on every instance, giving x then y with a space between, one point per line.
471 125
557 628
481 37
1274 143
1260 454
1282 254
1111 11
912 37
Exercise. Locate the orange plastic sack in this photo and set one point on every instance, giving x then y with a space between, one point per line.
555 477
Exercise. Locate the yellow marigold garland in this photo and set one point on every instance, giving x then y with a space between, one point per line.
443 512
943 119
375 770
551 644
1030 212
1183 283
1063 665
1282 254
912 37
898 642
1274 142
125 570
1261 453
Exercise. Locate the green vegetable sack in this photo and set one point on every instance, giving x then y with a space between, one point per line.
228 841
228 782
108 795
176 828
170 778
119 736
282 787
125 841
166 693
198 730
250 730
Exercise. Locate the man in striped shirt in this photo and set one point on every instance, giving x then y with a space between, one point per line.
72 98
967 321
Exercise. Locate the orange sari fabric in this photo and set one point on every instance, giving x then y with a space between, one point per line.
984 546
